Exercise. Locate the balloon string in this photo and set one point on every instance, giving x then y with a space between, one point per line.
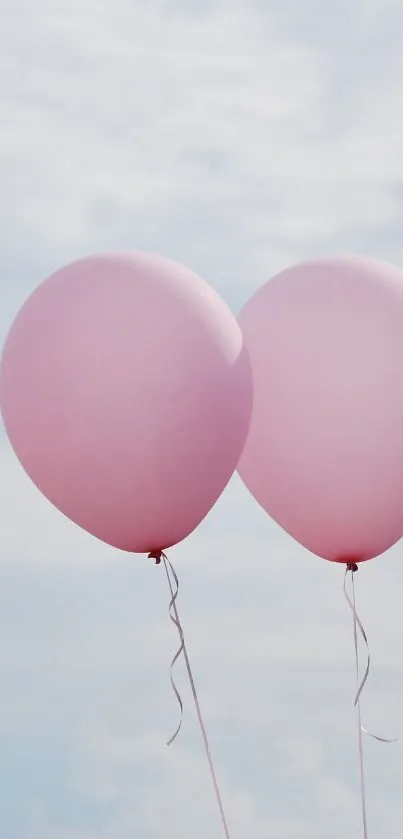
174 616
358 626
357 701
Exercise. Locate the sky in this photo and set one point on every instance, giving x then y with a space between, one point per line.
237 138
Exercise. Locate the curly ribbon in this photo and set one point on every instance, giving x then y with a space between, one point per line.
173 614
358 627
173 583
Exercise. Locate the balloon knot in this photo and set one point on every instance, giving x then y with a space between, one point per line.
156 555
352 566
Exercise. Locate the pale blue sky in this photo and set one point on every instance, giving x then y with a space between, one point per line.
237 137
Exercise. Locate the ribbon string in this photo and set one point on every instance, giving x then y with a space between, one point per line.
358 627
360 687
173 614
173 583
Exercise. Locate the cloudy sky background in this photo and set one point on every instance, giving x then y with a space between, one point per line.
238 138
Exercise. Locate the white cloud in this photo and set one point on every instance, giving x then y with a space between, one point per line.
237 139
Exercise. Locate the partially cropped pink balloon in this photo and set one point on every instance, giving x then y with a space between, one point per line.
324 455
126 394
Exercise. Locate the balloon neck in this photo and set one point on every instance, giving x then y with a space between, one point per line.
156 556
352 566
351 562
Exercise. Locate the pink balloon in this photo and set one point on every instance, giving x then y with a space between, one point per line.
126 394
324 455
